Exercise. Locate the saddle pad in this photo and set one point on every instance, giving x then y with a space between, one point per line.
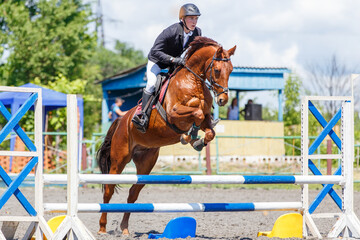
161 97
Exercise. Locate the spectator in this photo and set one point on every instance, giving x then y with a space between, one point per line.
115 110
245 110
233 110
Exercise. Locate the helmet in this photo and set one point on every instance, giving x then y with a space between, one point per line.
189 9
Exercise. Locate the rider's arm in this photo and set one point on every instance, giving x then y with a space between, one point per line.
161 43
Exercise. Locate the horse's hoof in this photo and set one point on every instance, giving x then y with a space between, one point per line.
183 141
125 232
102 232
199 145
214 122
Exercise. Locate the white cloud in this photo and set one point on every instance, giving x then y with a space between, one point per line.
290 33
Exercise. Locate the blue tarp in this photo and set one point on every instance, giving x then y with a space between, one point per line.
51 100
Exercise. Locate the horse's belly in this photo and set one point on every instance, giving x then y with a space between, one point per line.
157 135
156 140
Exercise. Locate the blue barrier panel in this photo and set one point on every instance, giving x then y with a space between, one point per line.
14 120
16 183
323 123
12 124
28 143
22 199
327 188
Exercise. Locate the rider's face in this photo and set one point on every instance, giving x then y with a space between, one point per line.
191 22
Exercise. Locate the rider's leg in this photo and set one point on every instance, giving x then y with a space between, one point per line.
152 70
141 121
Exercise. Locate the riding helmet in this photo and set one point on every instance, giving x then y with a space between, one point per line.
189 9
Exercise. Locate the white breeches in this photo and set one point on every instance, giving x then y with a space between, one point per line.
152 70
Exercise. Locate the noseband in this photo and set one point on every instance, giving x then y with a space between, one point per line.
211 80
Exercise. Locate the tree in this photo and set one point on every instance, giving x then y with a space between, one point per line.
112 62
45 39
292 101
332 78
292 115
49 43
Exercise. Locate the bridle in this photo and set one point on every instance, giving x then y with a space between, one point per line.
211 80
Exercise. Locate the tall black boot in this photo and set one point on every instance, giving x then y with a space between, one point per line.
141 120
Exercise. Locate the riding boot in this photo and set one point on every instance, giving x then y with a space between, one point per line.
141 120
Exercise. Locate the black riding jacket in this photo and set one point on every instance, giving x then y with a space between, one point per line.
170 44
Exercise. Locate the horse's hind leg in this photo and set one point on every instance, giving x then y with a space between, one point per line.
118 163
144 160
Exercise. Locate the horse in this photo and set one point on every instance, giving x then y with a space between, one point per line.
187 103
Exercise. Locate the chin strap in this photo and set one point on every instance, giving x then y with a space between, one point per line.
182 20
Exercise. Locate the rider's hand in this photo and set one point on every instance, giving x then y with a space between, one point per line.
178 61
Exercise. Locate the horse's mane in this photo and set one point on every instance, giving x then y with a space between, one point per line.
198 43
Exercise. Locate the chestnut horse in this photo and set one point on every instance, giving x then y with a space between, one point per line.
187 103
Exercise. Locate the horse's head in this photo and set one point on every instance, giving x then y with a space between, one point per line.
218 71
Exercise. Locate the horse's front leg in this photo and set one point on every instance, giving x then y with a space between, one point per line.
192 135
207 127
181 113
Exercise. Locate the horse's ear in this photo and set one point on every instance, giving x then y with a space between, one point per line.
219 52
231 51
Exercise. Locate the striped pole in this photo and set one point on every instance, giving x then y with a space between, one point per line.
193 179
175 207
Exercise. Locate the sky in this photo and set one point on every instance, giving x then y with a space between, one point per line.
267 33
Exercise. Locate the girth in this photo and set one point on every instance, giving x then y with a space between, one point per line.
159 106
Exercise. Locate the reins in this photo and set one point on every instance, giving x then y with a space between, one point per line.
211 80
210 85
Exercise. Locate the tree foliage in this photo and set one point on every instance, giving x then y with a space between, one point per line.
292 101
49 43
45 39
112 62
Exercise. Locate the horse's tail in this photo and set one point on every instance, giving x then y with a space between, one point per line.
103 154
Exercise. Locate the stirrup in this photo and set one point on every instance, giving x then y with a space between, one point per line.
140 123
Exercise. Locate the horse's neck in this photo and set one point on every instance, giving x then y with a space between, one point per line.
197 62
185 79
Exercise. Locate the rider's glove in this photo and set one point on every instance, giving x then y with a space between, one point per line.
178 61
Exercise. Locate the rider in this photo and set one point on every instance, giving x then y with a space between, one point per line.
166 52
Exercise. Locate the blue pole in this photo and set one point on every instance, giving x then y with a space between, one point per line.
280 113
216 111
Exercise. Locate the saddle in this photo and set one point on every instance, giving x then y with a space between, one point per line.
161 86
157 100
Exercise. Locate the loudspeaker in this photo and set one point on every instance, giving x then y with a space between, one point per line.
253 112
